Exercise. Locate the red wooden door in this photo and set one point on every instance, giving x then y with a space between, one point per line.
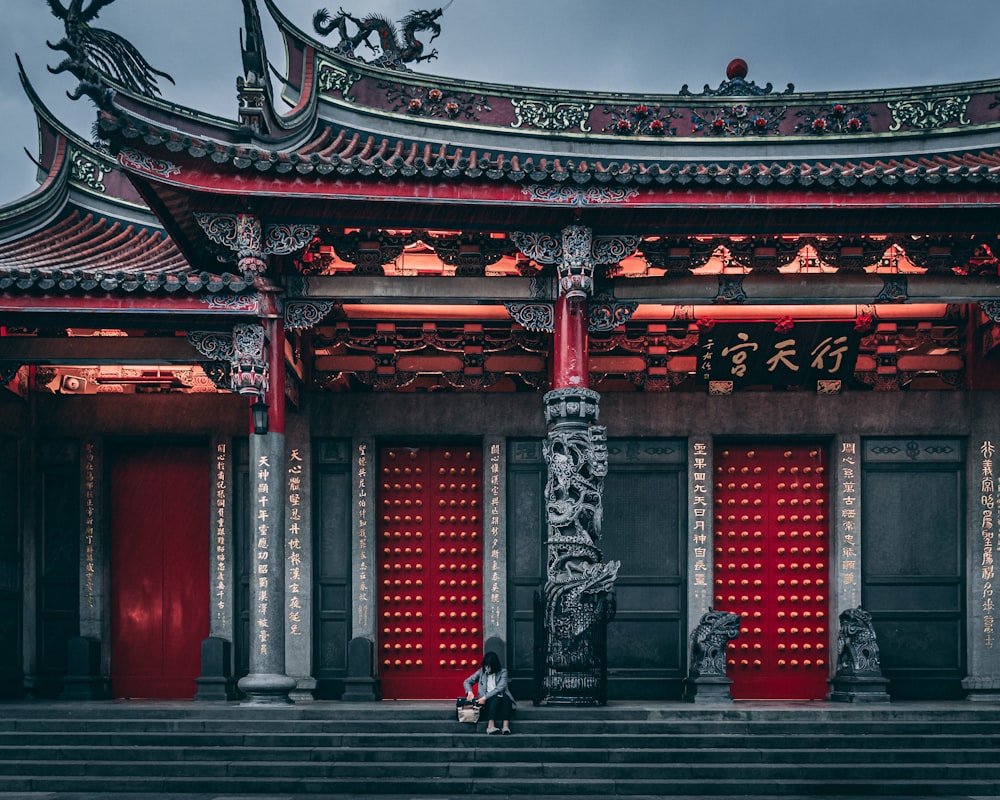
772 568
430 570
159 570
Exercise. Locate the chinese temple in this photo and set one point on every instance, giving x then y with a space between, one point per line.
325 397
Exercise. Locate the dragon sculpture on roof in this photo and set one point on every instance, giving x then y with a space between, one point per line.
397 46
95 54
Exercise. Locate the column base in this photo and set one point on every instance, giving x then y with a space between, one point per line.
707 689
266 689
216 682
854 689
305 685
981 688
83 680
360 685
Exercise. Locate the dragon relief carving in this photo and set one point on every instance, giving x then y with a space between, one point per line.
94 55
579 591
397 45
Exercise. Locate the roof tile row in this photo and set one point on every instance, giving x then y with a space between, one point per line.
354 154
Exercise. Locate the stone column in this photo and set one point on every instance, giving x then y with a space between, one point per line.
267 681
700 590
89 656
845 534
361 683
845 526
299 559
216 681
31 534
579 589
495 544
982 586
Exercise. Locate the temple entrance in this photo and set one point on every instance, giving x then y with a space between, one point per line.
429 570
772 567
159 569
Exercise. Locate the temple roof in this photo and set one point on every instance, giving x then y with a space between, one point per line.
86 228
459 155
376 148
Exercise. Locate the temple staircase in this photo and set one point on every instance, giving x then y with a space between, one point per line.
413 749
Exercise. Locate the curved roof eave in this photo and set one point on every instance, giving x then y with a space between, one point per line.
93 180
279 129
576 124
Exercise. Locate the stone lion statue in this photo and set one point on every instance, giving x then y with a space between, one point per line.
857 650
708 642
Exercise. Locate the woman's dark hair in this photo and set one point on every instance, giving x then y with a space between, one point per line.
491 662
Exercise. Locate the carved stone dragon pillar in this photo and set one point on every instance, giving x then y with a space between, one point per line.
579 597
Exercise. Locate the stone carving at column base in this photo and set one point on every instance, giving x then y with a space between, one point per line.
216 681
266 689
707 680
83 679
859 672
360 685
579 592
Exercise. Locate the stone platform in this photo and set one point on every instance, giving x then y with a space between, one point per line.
392 750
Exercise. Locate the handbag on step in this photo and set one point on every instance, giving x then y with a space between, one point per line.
467 710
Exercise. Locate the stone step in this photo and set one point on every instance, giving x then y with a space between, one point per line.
449 725
690 768
460 742
12 756
339 751
171 711
701 786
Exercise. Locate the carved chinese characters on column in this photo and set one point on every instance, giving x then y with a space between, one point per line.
363 554
88 523
494 560
263 552
294 543
848 514
987 488
221 494
699 513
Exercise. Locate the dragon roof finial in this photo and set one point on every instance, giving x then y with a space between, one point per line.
397 45
94 55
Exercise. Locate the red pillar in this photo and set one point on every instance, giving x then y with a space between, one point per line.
569 344
275 395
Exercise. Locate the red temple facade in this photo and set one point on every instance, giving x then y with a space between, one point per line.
296 398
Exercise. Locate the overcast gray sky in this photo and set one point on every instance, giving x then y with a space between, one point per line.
617 45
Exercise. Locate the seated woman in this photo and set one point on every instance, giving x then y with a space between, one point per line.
497 701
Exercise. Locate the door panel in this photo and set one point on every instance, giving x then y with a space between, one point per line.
159 566
430 570
913 557
772 568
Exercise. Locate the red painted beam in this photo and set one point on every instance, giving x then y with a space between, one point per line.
107 304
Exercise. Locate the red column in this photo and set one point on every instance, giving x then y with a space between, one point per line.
275 395
274 356
569 357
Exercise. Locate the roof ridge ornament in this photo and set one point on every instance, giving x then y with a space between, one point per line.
398 44
94 55
736 84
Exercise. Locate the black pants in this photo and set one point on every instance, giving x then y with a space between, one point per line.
498 708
